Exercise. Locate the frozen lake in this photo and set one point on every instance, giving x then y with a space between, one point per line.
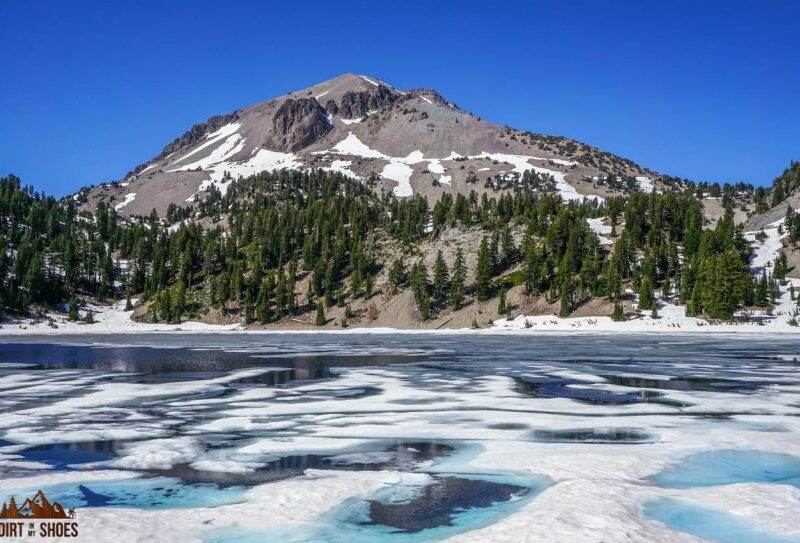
407 437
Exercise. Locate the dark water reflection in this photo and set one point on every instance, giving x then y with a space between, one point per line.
437 503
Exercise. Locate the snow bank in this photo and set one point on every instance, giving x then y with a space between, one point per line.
130 197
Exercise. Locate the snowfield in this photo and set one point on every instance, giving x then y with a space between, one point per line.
465 395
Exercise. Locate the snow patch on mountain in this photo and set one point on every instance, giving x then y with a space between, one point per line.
351 145
559 161
263 160
398 169
368 80
232 145
352 121
128 199
400 172
521 165
645 183
765 252
602 230
150 167
225 131
435 166
343 167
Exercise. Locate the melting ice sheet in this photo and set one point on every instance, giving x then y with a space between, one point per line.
731 466
404 437
433 509
709 524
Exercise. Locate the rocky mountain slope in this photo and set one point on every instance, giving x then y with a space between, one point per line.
401 141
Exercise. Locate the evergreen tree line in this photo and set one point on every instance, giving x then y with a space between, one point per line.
276 229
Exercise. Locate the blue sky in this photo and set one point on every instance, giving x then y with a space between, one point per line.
705 90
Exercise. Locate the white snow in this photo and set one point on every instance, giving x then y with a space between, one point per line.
601 229
229 147
352 121
435 166
425 98
351 145
400 172
214 137
150 167
368 80
218 162
317 97
521 165
342 166
645 183
263 160
130 197
559 161
398 168
111 319
767 251
596 491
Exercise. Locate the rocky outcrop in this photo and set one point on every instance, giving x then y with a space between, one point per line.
358 103
331 107
298 123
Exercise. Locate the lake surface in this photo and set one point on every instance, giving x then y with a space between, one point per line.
408 437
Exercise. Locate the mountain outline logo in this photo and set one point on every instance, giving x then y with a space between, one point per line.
37 507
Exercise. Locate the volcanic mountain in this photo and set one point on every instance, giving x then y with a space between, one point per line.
402 141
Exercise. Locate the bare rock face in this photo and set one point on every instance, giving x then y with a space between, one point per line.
298 123
357 104
331 107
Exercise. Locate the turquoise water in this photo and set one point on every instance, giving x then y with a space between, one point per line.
710 524
140 493
731 466
350 521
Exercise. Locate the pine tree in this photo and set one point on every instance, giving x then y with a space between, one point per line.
440 279
165 305
456 296
501 305
73 309
508 252
421 289
617 315
280 294
646 299
248 306
566 295
180 303
265 297
397 274
483 272
321 320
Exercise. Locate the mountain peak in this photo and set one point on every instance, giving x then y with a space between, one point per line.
412 141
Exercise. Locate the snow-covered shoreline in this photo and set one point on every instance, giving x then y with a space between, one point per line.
539 324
